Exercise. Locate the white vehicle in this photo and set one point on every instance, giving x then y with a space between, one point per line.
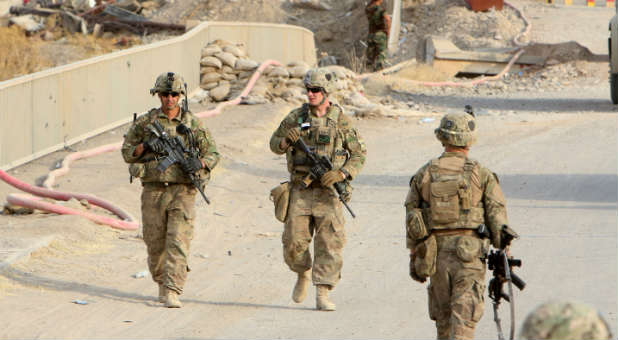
613 57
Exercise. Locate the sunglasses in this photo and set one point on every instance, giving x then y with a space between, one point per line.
173 94
314 89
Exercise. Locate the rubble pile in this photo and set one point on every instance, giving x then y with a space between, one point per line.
78 16
225 70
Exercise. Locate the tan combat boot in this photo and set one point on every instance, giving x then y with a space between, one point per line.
300 289
171 299
321 300
162 291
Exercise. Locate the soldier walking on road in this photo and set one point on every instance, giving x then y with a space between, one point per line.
168 197
449 198
377 39
314 210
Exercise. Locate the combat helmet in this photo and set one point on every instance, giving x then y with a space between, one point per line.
168 82
458 129
322 78
564 320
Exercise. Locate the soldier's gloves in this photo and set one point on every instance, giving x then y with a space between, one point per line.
292 136
413 271
155 145
191 165
332 177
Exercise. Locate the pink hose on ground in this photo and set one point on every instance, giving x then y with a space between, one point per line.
244 93
65 196
36 203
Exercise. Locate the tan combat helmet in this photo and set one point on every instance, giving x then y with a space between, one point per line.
168 82
564 320
322 78
457 129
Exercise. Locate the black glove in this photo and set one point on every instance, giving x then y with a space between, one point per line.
413 271
292 136
155 145
191 165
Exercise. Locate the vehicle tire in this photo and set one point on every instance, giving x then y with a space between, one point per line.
613 85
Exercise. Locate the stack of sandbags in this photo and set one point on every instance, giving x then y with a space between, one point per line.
224 65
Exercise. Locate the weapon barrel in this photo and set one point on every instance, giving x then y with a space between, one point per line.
517 281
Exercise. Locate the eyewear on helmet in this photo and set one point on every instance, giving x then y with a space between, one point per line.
314 89
165 94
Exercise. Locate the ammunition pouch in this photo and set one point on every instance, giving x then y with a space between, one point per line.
280 196
416 225
425 257
137 170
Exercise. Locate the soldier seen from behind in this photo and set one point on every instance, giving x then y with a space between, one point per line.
377 39
168 194
450 198
309 205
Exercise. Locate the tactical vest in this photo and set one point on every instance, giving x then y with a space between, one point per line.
322 136
375 17
452 195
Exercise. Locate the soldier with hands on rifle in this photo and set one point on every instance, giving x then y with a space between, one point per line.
324 153
172 153
452 200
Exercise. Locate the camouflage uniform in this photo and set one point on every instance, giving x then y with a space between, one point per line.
377 39
565 320
168 198
449 198
316 211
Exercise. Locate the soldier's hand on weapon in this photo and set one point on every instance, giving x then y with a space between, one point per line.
292 136
413 270
191 165
155 145
332 177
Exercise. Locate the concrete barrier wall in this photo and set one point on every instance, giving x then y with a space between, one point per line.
45 111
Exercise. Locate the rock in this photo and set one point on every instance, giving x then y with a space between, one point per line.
149 5
292 92
228 76
279 72
372 111
210 50
227 58
220 92
246 64
245 74
324 35
80 5
210 77
259 90
297 63
209 86
298 71
358 100
48 36
234 50
295 82
311 4
221 43
253 100
198 96
208 69
227 69
108 35
211 61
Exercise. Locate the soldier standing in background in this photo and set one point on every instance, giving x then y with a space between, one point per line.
449 198
168 197
315 212
377 39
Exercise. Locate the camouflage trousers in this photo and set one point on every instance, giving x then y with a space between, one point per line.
168 213
456 300
376 51
314 213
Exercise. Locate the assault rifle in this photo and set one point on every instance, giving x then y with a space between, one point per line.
501 266
320 166
176 150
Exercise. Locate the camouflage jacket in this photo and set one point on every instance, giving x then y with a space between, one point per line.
144 166
484 196
375 17
331 135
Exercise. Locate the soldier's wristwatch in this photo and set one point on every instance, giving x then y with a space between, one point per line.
346 173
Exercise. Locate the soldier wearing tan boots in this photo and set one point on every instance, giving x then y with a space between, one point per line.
314 211
168 197
449 198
